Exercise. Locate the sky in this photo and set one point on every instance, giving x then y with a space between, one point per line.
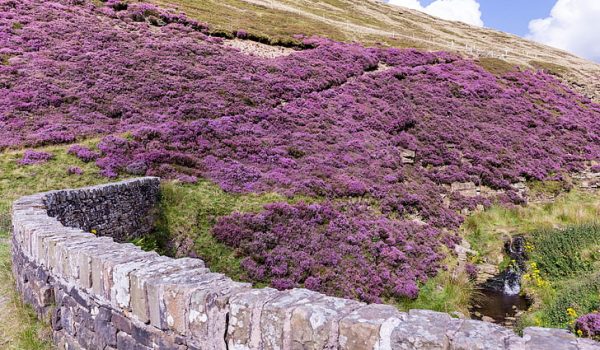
572 25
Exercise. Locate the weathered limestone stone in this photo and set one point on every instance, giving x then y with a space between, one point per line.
52 243
139 278
103 265
275 321
63 251
316 325
80 259
243 332
84 257
370 327
108 266
480 335
587 344
208 311
126 264
126 342
546 338
38 250
175 303
425 329
66 341
120 291
408 156
160 315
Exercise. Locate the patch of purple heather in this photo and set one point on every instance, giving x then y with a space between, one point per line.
33 157
73 170
83 153
589 324
344 250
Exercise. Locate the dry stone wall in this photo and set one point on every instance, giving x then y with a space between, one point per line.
100 294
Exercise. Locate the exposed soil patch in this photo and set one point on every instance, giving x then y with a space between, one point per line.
257 49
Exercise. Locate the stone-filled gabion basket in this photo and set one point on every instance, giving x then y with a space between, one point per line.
101 294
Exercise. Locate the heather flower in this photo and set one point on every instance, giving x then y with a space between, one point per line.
241 34
471 271
589 325
83 153
73 170
32 157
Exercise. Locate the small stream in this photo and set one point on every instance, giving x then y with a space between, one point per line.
500 297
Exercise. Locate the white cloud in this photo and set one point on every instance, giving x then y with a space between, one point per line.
573 25
455 10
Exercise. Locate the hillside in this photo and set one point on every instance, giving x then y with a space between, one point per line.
372 22
312 164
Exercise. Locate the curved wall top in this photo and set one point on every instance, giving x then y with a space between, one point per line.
100 294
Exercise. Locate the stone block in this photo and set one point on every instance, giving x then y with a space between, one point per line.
64 249
62 340
316 325
121 322
103 278
474 334
275 320
72 257
208 309
139 277
425 329
39 250
182 281
546 338
587 344
120 292
175 301
84 259
126 342
52 258
370 327
245 311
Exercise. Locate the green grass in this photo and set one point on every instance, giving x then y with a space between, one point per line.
19 328
443 293
17 180
566 253
568 266
486 230
551 68
226 16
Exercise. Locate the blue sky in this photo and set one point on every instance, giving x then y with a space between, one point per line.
511 16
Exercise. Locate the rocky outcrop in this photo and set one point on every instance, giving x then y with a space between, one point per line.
100 294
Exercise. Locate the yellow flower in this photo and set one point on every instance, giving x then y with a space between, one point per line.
94 231
571 312
579 332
